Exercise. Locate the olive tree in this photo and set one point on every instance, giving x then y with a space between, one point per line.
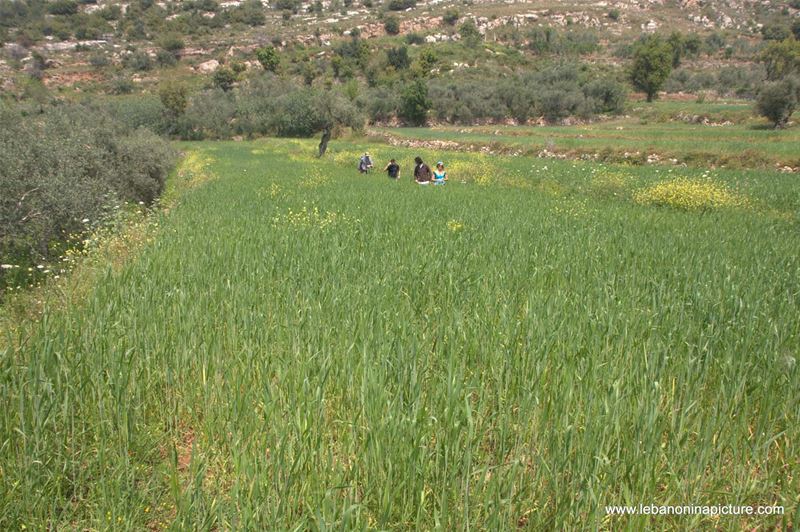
652 64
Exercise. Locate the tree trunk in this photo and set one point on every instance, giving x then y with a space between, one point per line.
323 143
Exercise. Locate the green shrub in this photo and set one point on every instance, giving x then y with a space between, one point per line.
398 57
518 98
609 95
414 38
355 49
138 60
99 60
775 32
224 78
111 12
778 100
652 64
427 59
400 5
250 12
121 85
166 58
144 160
542 40
740 81
298 114
450 17
87 33
470 34
286 5
392 25
781 59
465 101
62 7
209 115
269 58
415 104
64 169
548 40
559 101
172 42
256 104
138 111
382 104
173 97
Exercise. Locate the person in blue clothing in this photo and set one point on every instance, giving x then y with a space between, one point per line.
440 174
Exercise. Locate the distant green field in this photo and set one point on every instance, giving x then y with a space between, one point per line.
301 347
740 145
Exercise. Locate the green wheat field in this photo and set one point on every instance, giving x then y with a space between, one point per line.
293 346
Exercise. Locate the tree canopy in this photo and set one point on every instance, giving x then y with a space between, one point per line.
652 64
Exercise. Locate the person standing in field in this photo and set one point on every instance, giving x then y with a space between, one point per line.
422 173
365 163
439 174
392 169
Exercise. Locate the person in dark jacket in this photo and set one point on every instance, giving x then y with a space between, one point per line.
392 169
422 173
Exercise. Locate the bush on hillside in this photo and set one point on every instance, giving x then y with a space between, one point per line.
209 115
414 38
775 31
382 104
139 61
139 111
465 101
250 12
224 78
560 100
269 58
398 57
392 25
777 100
62 7
143 162
298 114
652 64
608 95
255 102
414 103
400 5
450 17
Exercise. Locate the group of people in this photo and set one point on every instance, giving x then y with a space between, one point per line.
423 175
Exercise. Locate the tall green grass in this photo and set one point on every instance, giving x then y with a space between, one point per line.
302 347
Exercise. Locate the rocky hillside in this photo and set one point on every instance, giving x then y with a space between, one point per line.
116 47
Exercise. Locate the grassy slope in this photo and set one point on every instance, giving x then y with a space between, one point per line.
553 348
743 144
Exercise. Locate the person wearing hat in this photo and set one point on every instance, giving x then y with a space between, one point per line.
440 174
365 163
